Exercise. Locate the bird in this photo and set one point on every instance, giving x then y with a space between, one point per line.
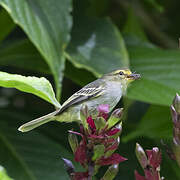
108 89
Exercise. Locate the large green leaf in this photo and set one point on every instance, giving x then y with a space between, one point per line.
10 159
6 24
22 54
160 71
31 156
156 123
37 86
47 24
96 43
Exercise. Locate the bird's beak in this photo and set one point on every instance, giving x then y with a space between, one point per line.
134 76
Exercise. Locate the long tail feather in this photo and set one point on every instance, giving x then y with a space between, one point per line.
37 122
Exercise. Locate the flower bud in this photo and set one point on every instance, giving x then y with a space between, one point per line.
111 172
115 117
113 159
138 176
176 134
176 103
175 112
83 115
68 166
154 157
115 131
119 126
103 110
100 123
91 123
73 141
141 156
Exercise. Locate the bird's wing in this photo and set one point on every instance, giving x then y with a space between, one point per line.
89 91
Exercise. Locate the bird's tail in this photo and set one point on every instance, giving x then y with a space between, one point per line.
37 122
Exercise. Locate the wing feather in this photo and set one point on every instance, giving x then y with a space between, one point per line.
83 94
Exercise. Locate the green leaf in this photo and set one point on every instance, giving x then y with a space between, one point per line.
31 156
22 54
12 161
155 65
37 86
159 70
3 174
96 44
47 29
6 24
156 123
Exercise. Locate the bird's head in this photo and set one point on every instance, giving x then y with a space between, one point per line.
122 75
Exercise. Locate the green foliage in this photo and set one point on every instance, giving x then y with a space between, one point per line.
82 40
6 24
92 51
47 29
155 124
32 156
159 82
38 86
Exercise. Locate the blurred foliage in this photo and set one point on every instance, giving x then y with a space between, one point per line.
77 41
3 174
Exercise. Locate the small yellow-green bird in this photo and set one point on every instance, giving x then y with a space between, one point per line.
106 90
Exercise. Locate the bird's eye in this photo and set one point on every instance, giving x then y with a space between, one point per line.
121 73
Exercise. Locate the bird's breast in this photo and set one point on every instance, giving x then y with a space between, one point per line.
114 93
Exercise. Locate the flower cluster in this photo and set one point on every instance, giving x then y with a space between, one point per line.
150 162
99 140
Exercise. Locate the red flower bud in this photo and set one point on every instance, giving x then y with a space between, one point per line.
80 176
138 176
113 159
91 123
154 157
80 153
113 131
